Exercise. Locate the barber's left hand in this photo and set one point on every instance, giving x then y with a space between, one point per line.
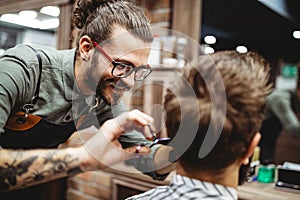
104 150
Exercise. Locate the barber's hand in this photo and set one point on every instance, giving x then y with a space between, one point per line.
104 150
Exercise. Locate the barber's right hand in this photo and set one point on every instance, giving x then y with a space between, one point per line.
104 150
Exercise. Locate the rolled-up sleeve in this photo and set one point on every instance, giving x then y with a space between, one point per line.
280 105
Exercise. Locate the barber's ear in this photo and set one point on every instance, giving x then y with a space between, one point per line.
85 46
251 148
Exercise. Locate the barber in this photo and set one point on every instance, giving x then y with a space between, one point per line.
60 92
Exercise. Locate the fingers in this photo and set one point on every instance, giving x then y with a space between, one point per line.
138 117
101 151
126 122
143 121
148 132
131 152
139 149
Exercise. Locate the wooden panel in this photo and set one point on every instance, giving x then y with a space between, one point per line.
157 105
124 187
10 6
287 148
64 34
160 15
154 4
158 11
186 19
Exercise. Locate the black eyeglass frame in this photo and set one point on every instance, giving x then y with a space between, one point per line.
116 63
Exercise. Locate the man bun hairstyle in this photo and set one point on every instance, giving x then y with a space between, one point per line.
97 19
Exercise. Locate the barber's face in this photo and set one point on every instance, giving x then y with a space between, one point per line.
123 48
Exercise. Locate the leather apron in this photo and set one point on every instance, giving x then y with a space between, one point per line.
45 134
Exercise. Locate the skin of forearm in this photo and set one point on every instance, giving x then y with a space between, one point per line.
19 169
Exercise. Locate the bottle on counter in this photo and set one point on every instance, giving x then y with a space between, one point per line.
266 173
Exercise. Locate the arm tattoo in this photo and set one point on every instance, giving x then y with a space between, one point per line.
48 166
9 172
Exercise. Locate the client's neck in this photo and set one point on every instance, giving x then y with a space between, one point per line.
228 177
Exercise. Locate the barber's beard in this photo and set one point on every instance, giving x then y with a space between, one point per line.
111 90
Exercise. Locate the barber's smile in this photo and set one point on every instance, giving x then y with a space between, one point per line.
118 88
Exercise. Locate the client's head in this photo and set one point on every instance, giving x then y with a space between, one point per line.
239 112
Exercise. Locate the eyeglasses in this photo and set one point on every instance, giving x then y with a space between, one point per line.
157 140
122 70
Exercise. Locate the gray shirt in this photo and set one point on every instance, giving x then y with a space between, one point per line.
19 71
283 105
19 74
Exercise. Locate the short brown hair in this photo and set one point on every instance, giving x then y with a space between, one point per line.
245 79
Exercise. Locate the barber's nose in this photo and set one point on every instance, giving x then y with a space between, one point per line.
129 80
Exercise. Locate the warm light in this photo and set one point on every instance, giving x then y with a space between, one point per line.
32 23
50 10
296 34
2 51
17 19
28 14
209 39
209 50
49 24
241 49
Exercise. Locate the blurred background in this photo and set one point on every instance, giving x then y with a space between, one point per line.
270 27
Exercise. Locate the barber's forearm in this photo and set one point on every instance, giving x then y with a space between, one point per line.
161 160
19 169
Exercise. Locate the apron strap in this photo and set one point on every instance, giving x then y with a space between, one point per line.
36 95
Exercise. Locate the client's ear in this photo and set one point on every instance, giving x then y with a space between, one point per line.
254 142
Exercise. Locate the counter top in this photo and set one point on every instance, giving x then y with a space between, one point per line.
265 191
249 191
